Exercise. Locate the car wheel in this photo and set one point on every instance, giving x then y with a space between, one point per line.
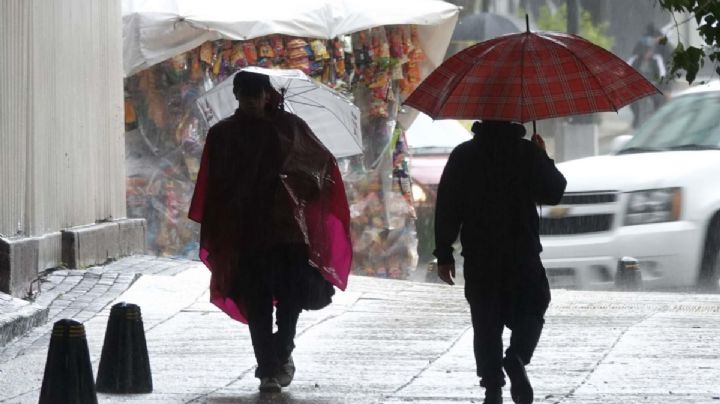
710 268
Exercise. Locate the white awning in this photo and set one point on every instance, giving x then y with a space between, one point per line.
155 30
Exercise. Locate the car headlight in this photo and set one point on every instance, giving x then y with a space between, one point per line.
653 206
418 193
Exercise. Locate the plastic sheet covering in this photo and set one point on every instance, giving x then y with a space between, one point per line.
272 183
166 131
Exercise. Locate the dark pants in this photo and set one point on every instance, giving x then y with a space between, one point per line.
501 296
273 276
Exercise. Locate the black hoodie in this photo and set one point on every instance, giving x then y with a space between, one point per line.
489 191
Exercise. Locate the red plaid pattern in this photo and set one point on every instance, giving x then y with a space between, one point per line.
529 76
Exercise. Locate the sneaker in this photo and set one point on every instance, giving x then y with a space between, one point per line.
269 385
493 395
521 390
286 373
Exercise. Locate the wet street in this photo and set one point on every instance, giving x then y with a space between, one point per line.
381 341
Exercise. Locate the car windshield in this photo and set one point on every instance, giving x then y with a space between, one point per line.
689 122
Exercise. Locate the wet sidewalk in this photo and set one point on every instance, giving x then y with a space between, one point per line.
382 341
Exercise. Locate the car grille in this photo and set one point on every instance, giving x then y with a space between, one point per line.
601 204
587 199
575 225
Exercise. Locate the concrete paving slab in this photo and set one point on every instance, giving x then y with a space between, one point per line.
385 341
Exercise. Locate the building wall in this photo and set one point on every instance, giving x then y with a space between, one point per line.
61 115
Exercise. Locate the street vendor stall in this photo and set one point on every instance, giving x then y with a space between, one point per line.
374 52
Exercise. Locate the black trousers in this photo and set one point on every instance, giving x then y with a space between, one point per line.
502 296
268 276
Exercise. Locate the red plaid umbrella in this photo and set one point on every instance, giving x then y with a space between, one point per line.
529 76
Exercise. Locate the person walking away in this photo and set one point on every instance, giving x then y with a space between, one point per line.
488 193
650 62
264 184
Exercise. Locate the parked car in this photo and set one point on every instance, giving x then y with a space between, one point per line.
430 144
657 199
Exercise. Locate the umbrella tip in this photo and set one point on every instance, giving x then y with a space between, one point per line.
527 22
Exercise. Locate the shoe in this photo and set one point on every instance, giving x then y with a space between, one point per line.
493 395
521 390
286 373
269 385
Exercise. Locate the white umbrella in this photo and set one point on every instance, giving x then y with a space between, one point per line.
333 118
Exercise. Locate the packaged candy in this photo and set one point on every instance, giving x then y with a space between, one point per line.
179 67
264 50
217 57
416 52
217 63
361 50
396 46
131 121
206 53
237 56
250 52
297 56
319 50
276 42
196 72
226 65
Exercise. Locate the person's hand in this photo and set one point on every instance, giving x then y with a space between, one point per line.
446 272
538 140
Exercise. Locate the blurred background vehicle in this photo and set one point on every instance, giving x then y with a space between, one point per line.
430 142
656 199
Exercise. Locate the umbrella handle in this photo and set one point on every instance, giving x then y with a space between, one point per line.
537 139
527 25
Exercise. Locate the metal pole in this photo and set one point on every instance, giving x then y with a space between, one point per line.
573 17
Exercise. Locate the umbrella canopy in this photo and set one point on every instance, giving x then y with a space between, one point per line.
529 76
483 26
156 30
333 118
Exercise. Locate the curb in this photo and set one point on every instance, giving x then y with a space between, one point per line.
18 316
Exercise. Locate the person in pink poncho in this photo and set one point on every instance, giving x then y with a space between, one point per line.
274 222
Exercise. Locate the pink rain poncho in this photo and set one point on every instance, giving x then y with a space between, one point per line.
264 182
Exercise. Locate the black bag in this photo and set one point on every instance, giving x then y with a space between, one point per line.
315 291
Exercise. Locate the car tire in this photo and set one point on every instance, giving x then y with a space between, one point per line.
709 279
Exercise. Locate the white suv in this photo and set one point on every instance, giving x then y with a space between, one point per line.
657 200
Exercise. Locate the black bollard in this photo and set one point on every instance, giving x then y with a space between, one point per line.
68 372
124 363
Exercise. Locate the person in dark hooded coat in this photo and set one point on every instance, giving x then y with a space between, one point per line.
264 193
488 193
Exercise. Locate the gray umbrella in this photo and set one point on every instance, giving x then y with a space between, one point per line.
482 26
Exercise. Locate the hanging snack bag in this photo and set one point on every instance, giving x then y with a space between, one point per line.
319 50
396 46
250 52
361 49
206 53
297 55
339 57
278 47
217 58
237 56
380 47
195 67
